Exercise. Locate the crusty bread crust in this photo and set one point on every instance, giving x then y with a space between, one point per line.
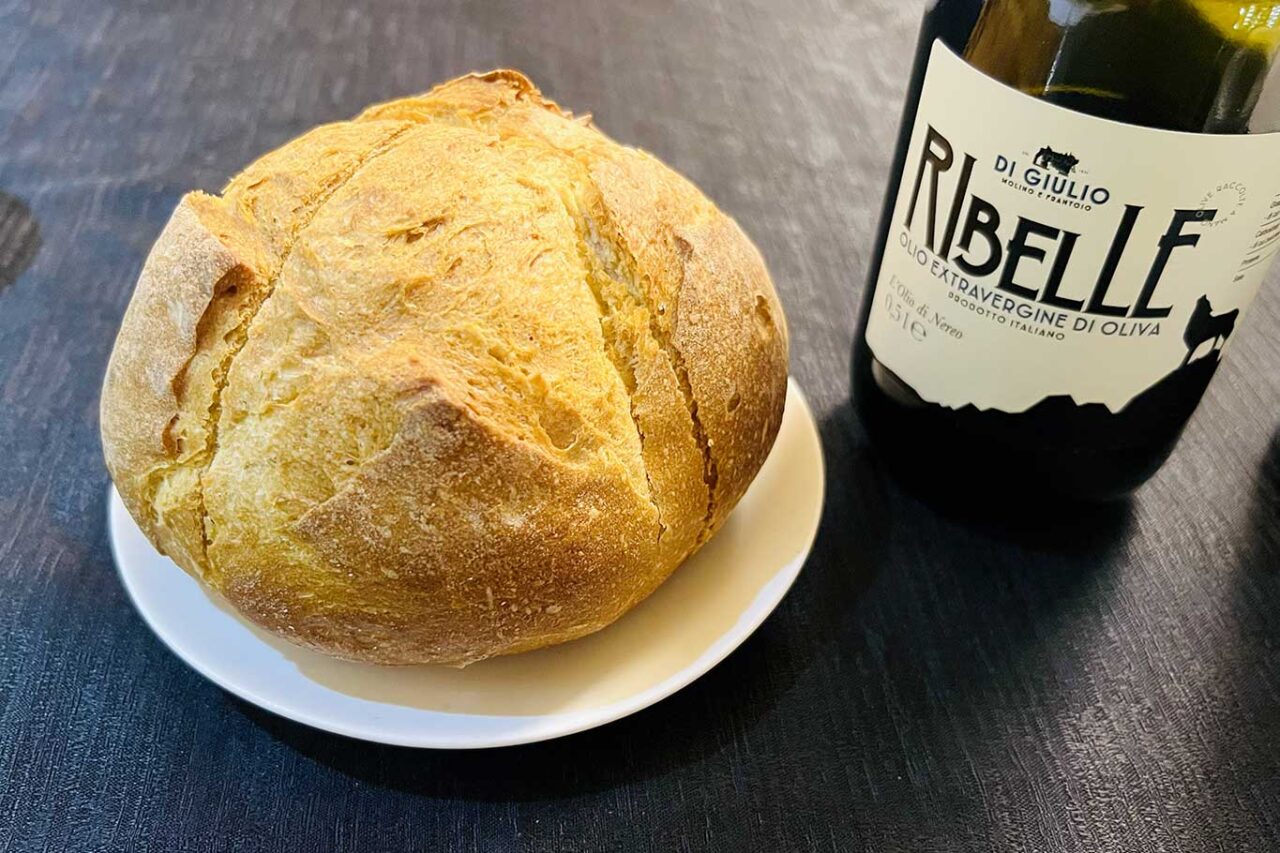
458 378
200 255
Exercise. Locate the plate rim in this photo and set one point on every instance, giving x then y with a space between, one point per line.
541 727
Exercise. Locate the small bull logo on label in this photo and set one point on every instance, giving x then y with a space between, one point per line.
1060 161
1205 325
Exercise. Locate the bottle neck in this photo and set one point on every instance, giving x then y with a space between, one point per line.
1204 66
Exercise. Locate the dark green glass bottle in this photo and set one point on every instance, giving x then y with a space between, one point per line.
1084 199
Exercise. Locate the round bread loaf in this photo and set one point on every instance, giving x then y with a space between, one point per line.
458 378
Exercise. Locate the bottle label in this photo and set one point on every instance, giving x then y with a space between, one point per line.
1036 252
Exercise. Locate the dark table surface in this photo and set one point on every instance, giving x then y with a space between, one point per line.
1109 681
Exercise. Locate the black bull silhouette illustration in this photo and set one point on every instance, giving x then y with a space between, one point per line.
1204 325
1059 161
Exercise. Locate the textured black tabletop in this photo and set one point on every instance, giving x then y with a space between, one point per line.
1106 681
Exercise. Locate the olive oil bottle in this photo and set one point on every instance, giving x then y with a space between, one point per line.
1084 199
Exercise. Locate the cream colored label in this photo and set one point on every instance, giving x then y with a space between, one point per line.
1037 252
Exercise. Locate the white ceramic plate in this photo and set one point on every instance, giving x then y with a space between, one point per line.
708 607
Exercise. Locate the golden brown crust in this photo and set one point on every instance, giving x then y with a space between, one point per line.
209 272
201 255
484 380
714 308
562 554
281 190
730 328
